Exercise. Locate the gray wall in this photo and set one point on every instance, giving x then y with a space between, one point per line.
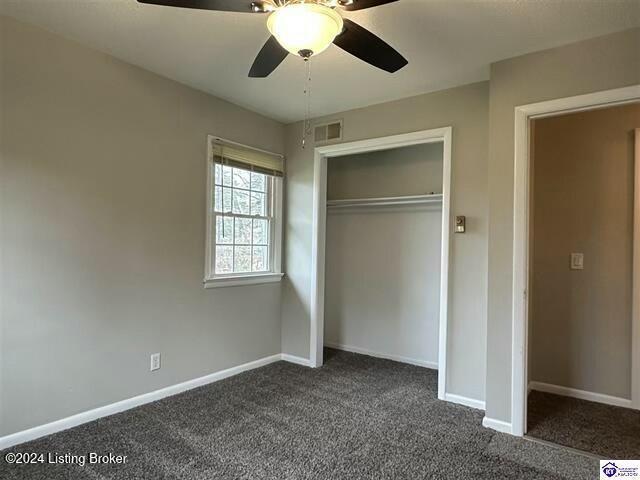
583 202
466 110
103 227
598 64
383 263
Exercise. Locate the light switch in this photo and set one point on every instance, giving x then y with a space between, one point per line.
577 261
461 224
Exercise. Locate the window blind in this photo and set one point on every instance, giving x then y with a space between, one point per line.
239 156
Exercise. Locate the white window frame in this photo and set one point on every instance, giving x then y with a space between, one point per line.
275 274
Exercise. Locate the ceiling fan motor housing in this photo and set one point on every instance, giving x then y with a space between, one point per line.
305 29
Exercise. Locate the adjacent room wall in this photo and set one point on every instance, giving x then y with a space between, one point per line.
593 65
382 292
583 202
466 110
103 228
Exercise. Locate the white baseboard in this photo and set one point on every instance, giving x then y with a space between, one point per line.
371 353
90 415
294 359
498 425
581 394
468 402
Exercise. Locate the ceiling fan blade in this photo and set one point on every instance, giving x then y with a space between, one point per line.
246 6
361 43
362 4
270 56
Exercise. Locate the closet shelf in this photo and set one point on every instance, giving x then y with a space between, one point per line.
386 201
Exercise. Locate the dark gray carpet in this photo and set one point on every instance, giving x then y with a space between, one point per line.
355 418
604 430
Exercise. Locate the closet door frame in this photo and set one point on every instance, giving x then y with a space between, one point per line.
319 221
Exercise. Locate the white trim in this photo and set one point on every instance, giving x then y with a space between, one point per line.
384 143
239 280
318 239
581 394
277 224
319 220
294 359
387 356
498 425
466 401
520 277
443 328
90 415
521 230
635 333
208 199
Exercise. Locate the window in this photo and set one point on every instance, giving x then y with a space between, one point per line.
244 209
243 220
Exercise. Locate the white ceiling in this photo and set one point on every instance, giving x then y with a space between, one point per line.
447 43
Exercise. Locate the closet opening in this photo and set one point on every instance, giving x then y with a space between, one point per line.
380 257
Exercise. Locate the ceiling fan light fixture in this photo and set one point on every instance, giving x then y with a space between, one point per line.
305 29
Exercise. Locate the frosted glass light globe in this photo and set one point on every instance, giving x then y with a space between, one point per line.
305 29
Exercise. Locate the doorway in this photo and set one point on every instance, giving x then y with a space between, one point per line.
570 235
318 253
580 288
383 235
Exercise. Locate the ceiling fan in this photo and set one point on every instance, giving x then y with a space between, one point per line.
305 28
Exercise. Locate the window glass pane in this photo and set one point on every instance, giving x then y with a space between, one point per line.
227 174
217 199
242 259
226 199
224 259
242 245
260 232
224 230
243 231
241 178
260 259
241 202
258 204
258 182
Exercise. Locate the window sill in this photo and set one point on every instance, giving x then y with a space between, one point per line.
240 280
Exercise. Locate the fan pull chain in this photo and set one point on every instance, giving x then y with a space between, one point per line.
307 117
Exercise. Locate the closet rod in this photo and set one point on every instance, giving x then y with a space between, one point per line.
386 201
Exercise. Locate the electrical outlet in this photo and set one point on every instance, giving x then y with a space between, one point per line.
155 361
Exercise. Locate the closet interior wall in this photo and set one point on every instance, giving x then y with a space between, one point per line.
383 262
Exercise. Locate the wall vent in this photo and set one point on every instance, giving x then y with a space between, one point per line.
327 132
